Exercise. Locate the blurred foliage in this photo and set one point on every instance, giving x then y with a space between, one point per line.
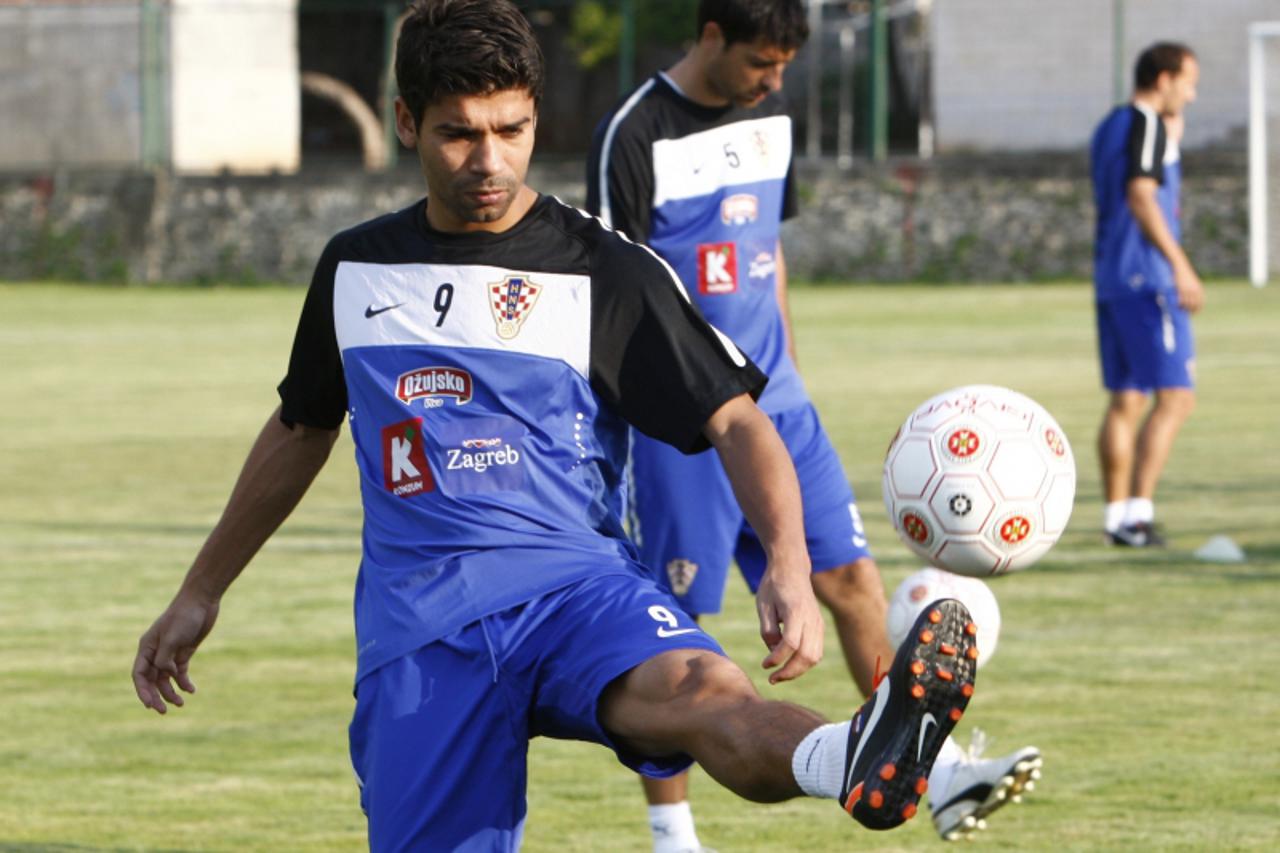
595 27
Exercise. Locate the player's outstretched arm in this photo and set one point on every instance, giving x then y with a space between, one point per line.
764 482
276 475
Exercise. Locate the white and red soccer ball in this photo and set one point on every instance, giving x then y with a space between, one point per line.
920 589
980 481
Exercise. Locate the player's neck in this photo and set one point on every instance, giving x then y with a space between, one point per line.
1150 99
691 80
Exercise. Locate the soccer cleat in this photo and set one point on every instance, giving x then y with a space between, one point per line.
1140 535
896 734
973 787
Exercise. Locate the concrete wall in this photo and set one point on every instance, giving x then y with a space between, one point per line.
236 102
950 219
1035 74
70 94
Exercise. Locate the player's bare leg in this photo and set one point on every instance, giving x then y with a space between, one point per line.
1117 443
1117 439
1155 441
876 764
702 704
854 593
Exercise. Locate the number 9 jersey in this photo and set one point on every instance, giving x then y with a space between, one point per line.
488 379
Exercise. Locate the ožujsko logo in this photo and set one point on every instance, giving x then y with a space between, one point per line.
511 300
739 209
433 384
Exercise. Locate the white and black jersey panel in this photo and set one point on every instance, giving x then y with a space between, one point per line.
1132 143
707 189
488 380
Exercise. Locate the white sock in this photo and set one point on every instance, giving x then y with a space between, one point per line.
1114 515
949 755
1140 511
672 828
818 762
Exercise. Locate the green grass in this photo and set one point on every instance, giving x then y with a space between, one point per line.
1148 679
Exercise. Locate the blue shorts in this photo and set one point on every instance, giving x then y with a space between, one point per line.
689 527
1145 343
440 737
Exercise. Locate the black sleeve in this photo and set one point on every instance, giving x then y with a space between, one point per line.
314 391
654 359
790 206
1146 146
624 168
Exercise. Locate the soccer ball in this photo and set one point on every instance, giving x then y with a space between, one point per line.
979 481
926 586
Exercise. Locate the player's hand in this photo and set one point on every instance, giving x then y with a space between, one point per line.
1190 290
165 651
790 623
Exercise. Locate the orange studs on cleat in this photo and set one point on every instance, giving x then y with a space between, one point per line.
946 650
956 714
875 799
917 667
935 616
854 796
945 675
922 785
971 629
966 691
888 772
917 691
909 811
972 653
926 636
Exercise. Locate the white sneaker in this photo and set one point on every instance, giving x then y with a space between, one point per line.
973 787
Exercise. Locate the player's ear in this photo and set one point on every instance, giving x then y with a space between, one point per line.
712 36
406 124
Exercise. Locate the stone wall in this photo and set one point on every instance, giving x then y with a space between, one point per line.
1023 218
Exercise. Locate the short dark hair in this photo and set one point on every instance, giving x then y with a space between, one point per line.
781 23
1161 57
465 47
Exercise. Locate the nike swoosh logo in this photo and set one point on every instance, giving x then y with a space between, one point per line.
374 312
667 632
925 721
881 701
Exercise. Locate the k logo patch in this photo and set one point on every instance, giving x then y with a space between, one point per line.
405 471
717 268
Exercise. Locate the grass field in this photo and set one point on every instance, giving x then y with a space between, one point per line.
1148 679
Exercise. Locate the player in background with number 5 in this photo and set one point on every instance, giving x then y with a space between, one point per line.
697 164
1145 289
488 347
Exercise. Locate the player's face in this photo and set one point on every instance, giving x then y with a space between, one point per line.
745 72
475 152
1180 88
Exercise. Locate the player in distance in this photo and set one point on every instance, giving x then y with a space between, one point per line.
697 164
501 602
1145 289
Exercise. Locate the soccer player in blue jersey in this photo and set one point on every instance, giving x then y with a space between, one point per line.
696 163
489 348
1145 289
